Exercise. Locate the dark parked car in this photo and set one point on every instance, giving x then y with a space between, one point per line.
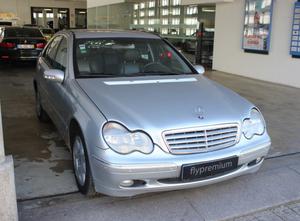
20 43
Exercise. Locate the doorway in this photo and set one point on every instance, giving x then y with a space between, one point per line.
55 18
81 18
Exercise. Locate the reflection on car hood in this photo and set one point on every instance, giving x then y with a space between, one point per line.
165 102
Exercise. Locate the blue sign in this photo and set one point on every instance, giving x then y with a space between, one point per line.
295 43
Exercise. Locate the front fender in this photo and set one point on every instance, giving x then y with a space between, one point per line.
88 117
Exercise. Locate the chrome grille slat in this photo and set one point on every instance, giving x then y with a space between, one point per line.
184 135
213 132
184 151
188 145
219 141
224 145
187 141
221 136
188 148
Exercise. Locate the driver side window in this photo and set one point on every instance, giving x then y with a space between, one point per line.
60 61
56 53
51 50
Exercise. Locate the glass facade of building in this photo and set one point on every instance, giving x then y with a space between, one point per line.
167 17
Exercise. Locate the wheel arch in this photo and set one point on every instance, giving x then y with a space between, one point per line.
74 126
88 187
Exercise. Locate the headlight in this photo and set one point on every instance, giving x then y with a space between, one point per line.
123 141
255 125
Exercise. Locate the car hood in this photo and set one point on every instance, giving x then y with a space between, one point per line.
156 104
165 102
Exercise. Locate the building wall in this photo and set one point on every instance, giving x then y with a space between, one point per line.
127 15
22 8
189 2
278 66
96 3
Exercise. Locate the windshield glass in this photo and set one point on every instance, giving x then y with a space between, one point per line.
23 32
122 57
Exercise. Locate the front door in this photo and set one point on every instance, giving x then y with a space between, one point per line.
55 94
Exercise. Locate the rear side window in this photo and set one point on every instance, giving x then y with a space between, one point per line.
23 32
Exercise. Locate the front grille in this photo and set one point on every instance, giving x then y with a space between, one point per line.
204 139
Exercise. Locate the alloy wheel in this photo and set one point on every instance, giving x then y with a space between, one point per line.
79 161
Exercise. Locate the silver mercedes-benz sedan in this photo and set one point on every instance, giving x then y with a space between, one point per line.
139 117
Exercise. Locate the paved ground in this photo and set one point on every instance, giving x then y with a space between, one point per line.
275 184
43 164
287 212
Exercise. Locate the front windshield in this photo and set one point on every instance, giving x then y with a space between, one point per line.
123 57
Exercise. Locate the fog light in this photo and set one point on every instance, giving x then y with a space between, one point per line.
258 160
127 183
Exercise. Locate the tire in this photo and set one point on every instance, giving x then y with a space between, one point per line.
81 165
40 112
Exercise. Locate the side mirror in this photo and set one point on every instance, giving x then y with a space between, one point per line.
200 69
54 75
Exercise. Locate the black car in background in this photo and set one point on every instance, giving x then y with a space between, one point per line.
21 43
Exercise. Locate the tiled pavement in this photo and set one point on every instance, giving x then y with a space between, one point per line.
287 212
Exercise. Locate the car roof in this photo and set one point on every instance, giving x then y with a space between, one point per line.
98 33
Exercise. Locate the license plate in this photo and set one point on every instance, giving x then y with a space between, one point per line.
205 170
26 46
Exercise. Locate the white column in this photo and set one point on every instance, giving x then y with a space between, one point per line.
8 208
72 17
2 154
55 18
44 18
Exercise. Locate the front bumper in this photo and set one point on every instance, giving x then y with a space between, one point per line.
160 176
